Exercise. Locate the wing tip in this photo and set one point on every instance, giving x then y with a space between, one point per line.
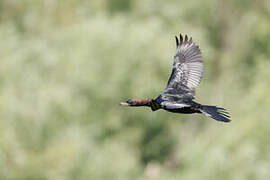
186 38
177 41
183 39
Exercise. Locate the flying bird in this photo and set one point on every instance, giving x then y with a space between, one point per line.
178 96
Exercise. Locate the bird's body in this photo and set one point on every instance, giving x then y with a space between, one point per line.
178 96
182 105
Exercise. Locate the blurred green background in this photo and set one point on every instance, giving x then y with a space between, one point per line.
66 65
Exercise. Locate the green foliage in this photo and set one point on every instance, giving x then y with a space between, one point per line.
156 143
66 65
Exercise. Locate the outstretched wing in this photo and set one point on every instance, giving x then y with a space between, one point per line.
187 68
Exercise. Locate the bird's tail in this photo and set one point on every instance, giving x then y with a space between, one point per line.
219 114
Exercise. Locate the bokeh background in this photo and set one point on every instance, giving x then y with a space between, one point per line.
66 65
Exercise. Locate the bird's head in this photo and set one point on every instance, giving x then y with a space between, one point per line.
136 102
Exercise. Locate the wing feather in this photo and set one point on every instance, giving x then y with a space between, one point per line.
187 67
173 105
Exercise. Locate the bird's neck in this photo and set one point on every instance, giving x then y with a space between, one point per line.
141 102
147 102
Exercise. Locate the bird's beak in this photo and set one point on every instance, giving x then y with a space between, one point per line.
124 104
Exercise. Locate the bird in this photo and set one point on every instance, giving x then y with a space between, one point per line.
178 96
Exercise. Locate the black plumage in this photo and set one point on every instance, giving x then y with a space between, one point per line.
178 96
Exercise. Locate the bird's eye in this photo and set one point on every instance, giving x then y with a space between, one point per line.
129 101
